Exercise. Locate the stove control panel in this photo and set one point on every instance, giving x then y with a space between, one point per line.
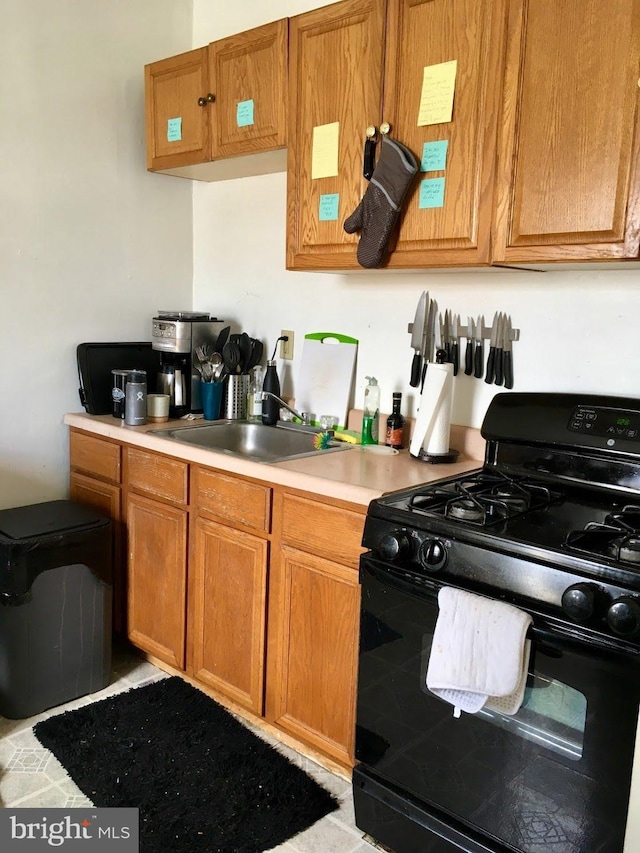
606 423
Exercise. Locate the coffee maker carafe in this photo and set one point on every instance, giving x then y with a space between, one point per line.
176 334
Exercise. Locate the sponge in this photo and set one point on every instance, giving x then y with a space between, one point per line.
348 435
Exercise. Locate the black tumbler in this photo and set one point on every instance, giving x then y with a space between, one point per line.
118 391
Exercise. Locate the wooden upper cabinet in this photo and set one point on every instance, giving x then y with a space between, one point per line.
178 127
568 153
422 33
248 74
218 102
378 81
336 58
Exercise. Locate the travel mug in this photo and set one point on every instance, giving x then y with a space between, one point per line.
135 406
118 391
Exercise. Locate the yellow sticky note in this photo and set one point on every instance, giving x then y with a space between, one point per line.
438 87
324 153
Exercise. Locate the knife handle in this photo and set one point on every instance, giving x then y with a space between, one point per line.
490 366
468 359
498 366
479 361
508 369
415 370
454 357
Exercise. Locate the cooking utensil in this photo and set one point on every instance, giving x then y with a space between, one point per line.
493 341
416 338
468 353
222 338
245 352
429 338
231 356
499 351
454 343
478 356
255 356
507 357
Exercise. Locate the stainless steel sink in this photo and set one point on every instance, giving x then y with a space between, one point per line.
251 440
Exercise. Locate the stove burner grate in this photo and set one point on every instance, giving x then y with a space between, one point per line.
618 536
487 498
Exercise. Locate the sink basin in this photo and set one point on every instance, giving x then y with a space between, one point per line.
251 440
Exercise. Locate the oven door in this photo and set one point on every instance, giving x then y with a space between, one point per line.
554 776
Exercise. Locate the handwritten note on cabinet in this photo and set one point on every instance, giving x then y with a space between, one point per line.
438 88
244 113
324 152
174 129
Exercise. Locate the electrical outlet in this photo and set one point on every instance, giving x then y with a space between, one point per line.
286 347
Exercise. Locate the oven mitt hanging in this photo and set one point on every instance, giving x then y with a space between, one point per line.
379 209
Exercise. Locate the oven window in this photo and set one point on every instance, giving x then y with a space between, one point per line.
552 714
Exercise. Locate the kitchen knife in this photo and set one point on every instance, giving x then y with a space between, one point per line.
507 357
416 338
468 353
454 343
479 351
429 338
499 350
493 340
446 337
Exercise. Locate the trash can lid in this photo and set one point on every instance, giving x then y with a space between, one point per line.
46 519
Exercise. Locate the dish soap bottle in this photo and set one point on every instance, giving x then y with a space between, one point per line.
371 416
271 407
395 424
254 407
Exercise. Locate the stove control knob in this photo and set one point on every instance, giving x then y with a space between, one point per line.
623 617
433 555
394 546
578 601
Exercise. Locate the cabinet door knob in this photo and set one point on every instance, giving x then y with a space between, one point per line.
385 128
202 102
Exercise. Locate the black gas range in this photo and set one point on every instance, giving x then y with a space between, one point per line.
550 524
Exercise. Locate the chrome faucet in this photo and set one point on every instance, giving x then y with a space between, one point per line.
302 417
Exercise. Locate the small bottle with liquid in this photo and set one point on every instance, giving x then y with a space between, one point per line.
371 414
254 400
395 424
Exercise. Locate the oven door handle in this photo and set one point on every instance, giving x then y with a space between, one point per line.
551 633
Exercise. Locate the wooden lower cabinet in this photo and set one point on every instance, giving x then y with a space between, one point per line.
311 693
157 578
228 574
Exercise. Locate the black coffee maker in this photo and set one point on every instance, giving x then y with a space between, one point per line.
176 334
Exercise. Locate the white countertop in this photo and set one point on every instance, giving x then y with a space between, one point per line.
354 475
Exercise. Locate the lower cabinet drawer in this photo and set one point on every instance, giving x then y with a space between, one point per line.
95 456
159 476
330 531
231 498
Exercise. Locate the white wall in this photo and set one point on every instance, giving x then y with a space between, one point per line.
579 330
91 245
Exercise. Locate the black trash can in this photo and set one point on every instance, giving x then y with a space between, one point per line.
55 605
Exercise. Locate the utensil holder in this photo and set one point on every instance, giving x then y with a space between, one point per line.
235 406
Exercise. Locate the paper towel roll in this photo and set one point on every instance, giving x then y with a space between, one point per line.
433 424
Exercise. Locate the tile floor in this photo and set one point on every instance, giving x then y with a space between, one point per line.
30 776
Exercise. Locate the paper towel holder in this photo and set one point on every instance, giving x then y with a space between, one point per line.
436 458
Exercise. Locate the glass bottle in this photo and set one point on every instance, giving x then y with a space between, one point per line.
395 424
254 407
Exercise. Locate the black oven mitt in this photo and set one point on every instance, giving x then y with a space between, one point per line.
379 209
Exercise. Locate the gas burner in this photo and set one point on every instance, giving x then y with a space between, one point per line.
466 509
626 549
485 498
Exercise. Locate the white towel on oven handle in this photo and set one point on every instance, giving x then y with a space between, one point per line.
480 654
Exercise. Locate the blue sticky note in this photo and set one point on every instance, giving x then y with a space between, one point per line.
432 193
434 156
328 207
174 129
244 113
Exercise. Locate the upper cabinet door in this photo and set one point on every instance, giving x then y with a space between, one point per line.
177 124
446 217
335 67
249 79
568 155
